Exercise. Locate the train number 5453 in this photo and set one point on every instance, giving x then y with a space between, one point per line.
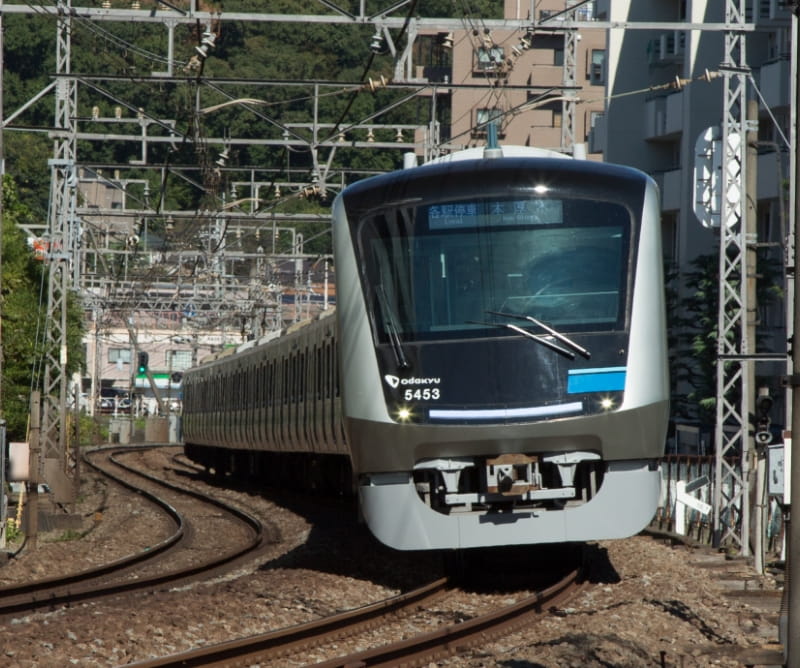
427 394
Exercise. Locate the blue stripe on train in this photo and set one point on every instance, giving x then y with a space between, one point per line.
609 379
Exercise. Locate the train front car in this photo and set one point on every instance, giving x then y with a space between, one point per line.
502 351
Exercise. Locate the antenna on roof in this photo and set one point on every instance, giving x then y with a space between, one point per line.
492 149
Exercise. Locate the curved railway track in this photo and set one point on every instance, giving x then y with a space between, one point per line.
415 651
150 568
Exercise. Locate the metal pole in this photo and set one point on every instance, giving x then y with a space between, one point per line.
3 501
34 454
2 178
2 422
751 317
792 639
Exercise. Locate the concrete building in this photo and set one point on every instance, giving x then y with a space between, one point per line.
664 91
657 131
518 79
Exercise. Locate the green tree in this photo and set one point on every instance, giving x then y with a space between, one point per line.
693 332
22 314
693 340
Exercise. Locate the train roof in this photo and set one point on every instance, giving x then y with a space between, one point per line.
475 171
267 338
479 152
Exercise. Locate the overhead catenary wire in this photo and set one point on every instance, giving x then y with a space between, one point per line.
495 94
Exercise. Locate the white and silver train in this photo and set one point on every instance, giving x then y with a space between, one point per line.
496 370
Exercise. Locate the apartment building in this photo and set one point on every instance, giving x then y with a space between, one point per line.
657 129
654 126
540 88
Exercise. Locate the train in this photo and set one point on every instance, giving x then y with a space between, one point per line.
495 369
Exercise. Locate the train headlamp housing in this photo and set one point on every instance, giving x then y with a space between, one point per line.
608 403
403 414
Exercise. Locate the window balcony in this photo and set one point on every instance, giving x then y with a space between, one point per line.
664 116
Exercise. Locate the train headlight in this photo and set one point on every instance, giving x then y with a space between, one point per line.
607 403
403 414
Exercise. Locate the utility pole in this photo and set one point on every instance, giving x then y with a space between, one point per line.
62 261
792 636
2 178
751 237
3 506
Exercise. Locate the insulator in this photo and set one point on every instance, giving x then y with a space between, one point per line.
376 45
223 158
374 85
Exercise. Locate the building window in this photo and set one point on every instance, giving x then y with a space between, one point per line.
483 117
585 12
597 67
179 360
489 59
669 236
592 137
122 355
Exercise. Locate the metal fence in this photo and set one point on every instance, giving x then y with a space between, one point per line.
696 472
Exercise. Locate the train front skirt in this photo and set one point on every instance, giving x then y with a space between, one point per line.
623 506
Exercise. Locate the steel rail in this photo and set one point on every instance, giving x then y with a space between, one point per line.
414 651
111 567
297 637
452 639
63 591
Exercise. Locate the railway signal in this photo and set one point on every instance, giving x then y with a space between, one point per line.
142 360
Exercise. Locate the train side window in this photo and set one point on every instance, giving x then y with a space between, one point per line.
285 388
329 375
293 379
271 383
318 363
251 386
301 377
335 373
254 385
260 385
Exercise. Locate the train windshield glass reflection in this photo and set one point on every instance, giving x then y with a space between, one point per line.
437 271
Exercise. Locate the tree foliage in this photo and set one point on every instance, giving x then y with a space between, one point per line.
22 313
692 322
693 331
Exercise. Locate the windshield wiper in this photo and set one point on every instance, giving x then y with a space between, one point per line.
391 328
564 339
534 337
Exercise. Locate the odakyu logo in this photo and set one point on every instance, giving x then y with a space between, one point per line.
395 381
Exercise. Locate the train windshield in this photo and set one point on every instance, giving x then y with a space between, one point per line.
446 270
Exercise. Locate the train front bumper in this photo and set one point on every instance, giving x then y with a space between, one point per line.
623 506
